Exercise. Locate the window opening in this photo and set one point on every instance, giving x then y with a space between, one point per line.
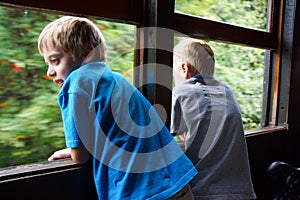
242 68
30 120
244 13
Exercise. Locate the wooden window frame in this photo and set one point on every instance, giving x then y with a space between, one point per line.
160 13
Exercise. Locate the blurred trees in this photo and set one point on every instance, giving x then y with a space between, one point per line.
30 120
241 67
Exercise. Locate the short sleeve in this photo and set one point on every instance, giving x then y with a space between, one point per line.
66 102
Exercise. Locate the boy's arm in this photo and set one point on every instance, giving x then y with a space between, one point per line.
182 136
78 155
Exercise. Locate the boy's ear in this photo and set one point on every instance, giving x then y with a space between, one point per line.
187 69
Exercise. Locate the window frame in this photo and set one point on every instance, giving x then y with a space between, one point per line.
161 13
269 40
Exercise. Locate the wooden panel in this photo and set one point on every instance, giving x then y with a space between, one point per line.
263 149
294 95
207 29
72 182
155 40
118 10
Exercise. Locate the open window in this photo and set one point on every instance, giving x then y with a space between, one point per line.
31 126
135 46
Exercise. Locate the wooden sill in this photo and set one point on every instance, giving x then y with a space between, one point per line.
265 130
29 170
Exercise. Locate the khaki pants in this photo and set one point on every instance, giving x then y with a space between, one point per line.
184 194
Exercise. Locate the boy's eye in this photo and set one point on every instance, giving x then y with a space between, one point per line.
54 61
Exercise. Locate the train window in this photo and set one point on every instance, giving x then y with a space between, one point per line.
245 13
30 121
244 74
260 50
30 124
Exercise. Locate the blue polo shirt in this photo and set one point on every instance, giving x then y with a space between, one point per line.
134 154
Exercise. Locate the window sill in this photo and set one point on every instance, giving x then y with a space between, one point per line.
29 170
265 130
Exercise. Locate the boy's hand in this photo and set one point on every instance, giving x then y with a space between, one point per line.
63 153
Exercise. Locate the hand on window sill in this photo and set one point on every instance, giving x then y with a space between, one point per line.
63 153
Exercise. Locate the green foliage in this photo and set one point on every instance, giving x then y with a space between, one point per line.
120 40
246 13
30 120
241 67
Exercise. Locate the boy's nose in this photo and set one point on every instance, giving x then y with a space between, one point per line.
51 73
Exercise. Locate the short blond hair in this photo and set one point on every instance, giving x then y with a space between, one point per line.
73 35
198 54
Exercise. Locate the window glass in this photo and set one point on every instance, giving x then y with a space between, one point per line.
242 68
245 13
30 121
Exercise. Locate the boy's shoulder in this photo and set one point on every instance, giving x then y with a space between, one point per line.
84 77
